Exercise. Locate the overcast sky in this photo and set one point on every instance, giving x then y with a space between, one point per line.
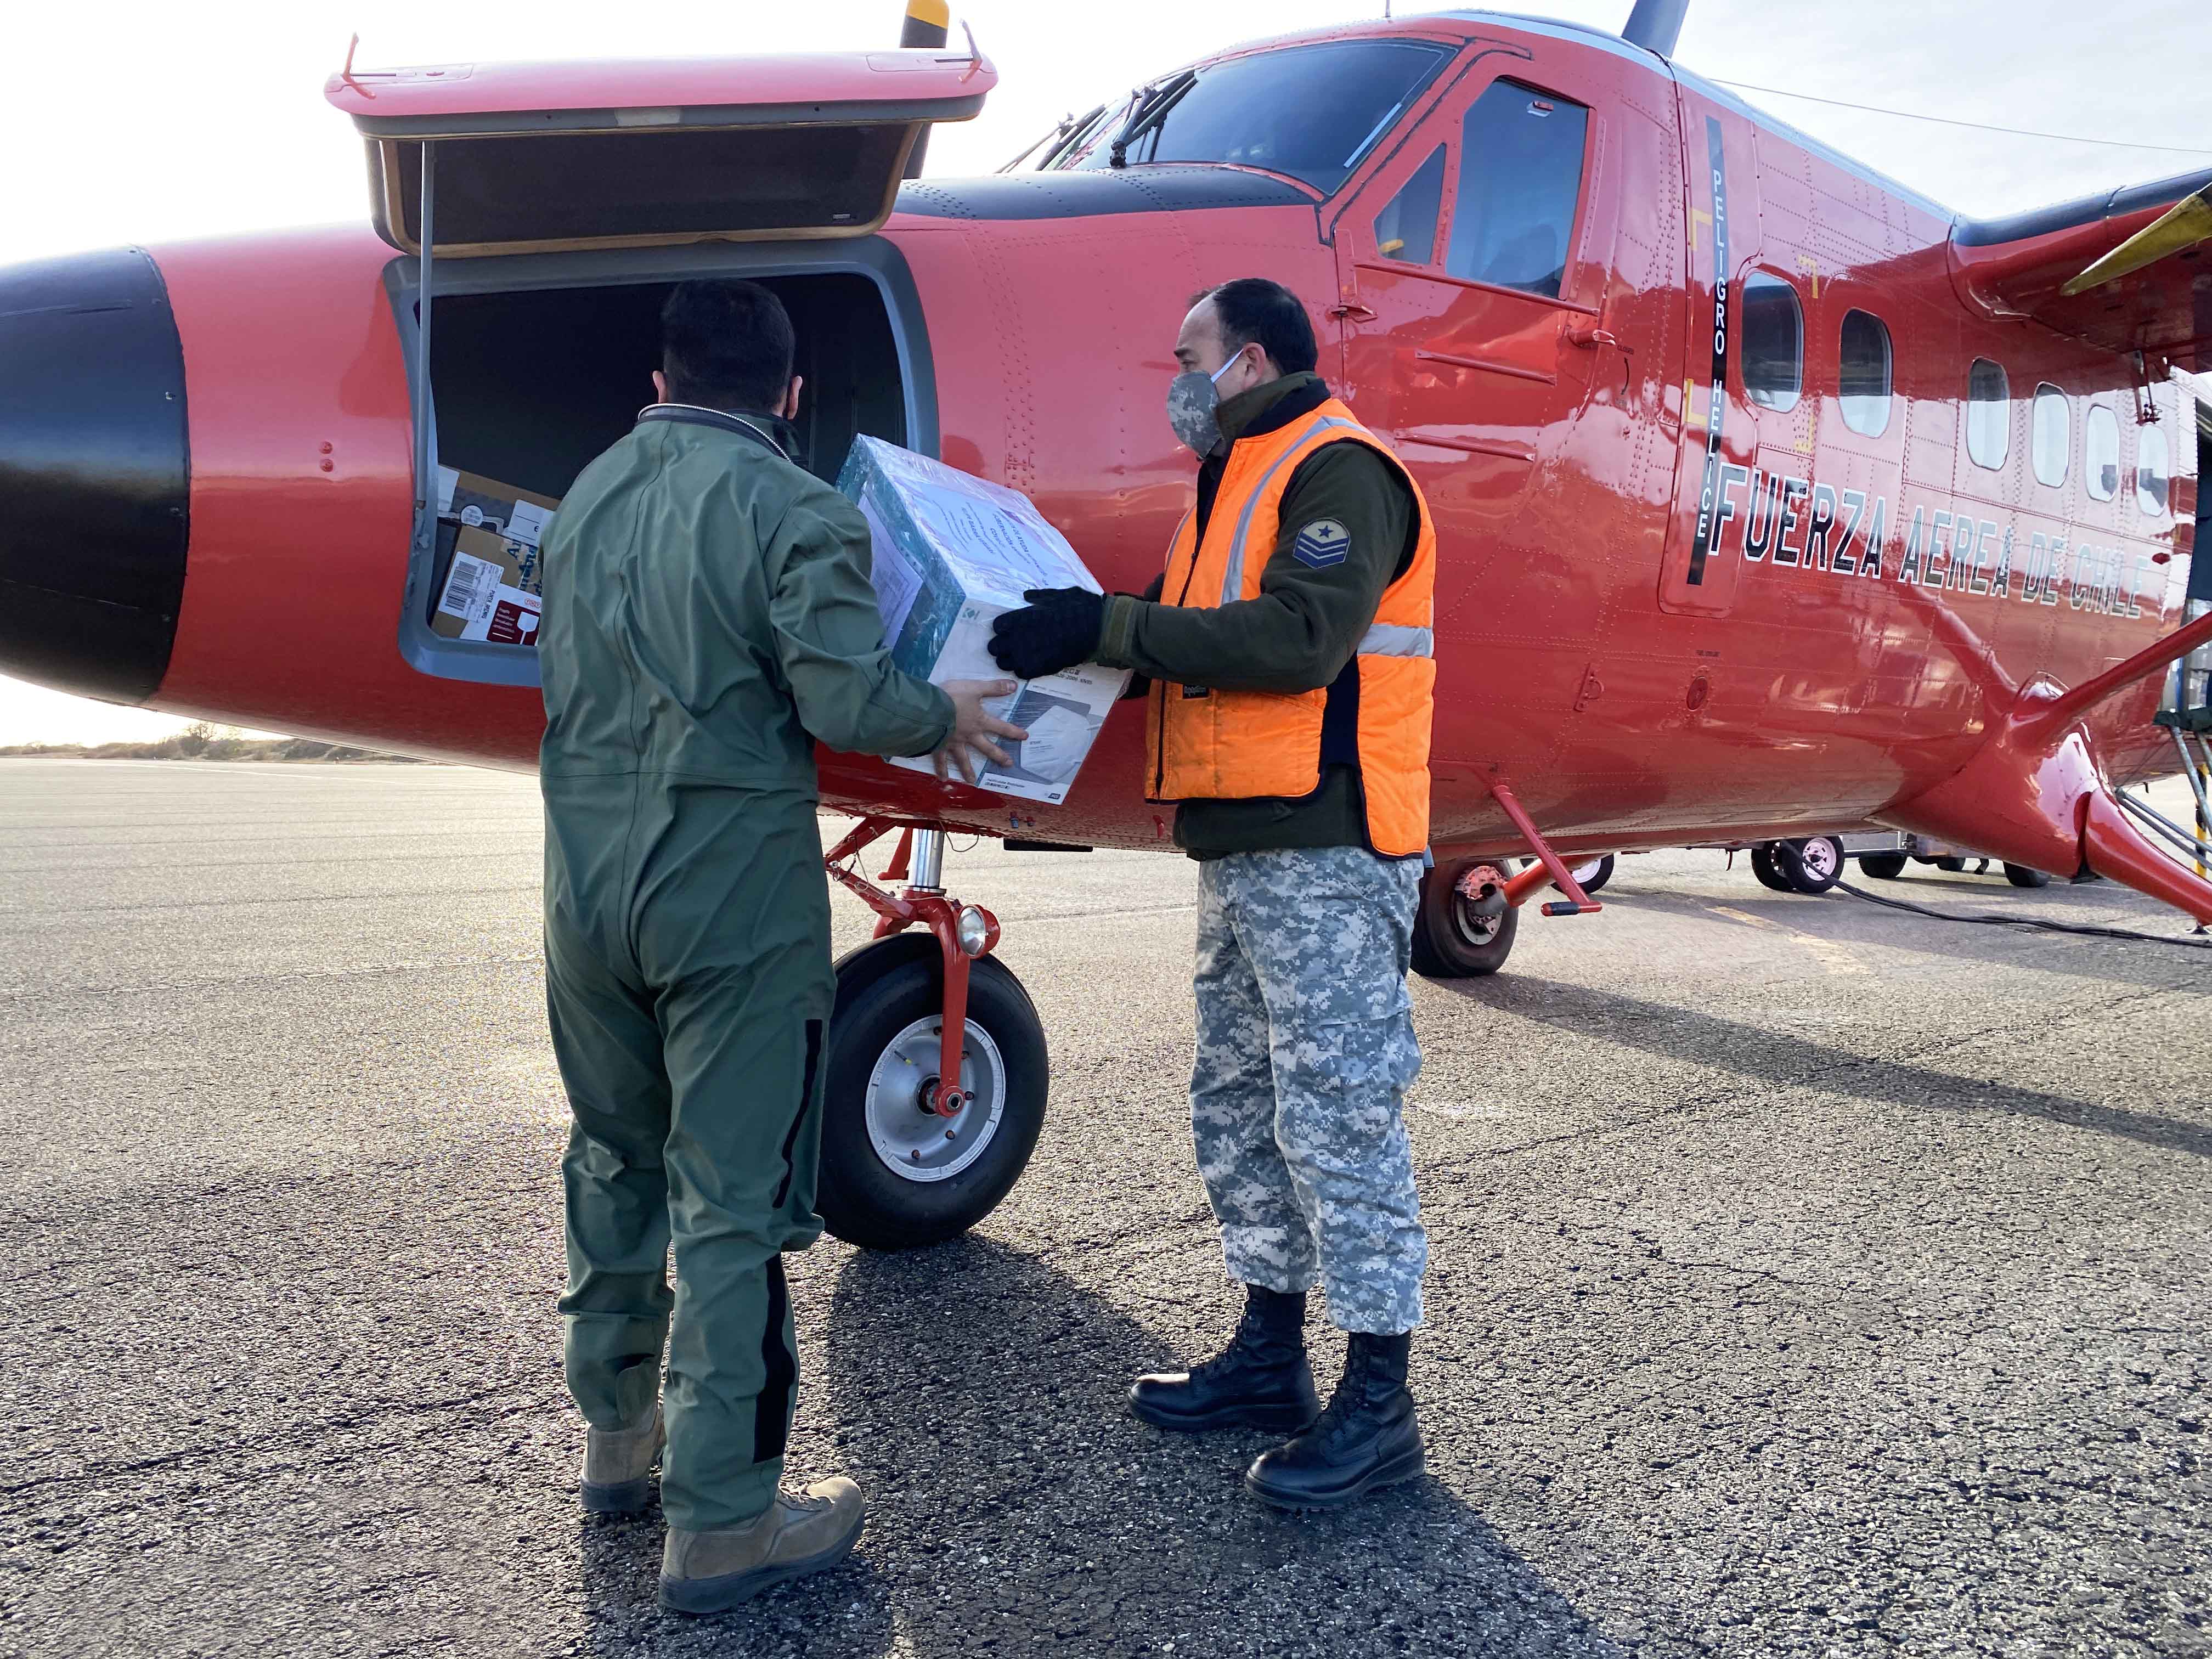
161 124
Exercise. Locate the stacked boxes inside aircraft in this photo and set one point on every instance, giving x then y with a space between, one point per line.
489 534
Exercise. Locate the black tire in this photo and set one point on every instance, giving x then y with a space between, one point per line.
1597 878
1956 867
1810 866
2020 876
1449 940
1764 865
1883 866
881 991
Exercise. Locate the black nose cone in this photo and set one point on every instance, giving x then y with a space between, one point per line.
94 474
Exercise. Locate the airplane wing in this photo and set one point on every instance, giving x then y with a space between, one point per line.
2128 269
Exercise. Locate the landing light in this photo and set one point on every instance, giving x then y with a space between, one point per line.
978 930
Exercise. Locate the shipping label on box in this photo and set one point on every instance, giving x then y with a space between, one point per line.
491 592
950 553
482 503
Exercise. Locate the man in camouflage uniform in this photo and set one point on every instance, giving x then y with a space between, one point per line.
1305 1038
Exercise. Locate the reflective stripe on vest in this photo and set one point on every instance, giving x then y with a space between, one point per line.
1384 640
1232 579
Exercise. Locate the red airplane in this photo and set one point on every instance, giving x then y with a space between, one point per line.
1772 497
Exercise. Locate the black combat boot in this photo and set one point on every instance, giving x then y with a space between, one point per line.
1260 1381
1366 1438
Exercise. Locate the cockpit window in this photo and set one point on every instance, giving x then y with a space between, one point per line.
1520 178
1310 112
1406 229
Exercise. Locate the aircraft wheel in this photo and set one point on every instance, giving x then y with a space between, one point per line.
1763 866
1955 867
1594 874
1812 866
2020 876
894 1174
1451 938
1883 866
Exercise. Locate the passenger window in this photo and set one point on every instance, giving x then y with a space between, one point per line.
1406 229
2100 454
1773 342
1864 385
2050 439
2151 475
1520 179
1988 414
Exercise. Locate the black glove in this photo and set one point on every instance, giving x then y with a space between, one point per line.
1056 629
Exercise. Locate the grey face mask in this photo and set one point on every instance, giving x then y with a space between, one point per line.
1193 399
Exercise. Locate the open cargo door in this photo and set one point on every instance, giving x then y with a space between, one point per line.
520 158
582 170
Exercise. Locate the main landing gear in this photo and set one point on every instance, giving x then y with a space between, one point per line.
1811 866
936 1074
1470 908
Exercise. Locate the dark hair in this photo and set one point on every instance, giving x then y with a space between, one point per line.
1253 308
725 344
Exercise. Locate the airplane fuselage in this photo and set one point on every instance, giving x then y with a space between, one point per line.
1678 600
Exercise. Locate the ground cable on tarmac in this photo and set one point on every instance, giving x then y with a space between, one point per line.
2024 921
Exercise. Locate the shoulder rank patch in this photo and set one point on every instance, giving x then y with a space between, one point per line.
1321 544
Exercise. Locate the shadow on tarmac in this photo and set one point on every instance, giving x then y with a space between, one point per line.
1778 1059
1853 921
978 1395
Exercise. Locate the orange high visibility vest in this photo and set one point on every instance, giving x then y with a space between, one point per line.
1208 744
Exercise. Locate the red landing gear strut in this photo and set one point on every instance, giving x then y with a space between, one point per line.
963 931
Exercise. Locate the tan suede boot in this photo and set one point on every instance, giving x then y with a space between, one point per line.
798 1533
617 1462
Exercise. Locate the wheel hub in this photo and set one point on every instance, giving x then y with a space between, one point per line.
911 1138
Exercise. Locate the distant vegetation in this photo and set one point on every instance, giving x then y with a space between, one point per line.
201 741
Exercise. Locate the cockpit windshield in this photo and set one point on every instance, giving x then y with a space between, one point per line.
1309 111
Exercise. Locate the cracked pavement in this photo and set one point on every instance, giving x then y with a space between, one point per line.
1807 1278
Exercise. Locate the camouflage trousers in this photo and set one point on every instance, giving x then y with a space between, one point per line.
1305 1048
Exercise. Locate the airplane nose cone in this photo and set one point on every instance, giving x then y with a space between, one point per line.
94 474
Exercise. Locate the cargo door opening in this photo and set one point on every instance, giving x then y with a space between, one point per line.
566 198
530 384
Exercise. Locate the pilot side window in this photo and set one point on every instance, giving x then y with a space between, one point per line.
1520 180
2151 475
1988 414
2100 454
1406 229
1773 342
2051 438
1865 380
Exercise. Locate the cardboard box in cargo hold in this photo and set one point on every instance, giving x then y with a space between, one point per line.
482 503
491 591
951 552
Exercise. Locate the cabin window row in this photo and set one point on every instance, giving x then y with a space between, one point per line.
2050 439
1774 355
1773 331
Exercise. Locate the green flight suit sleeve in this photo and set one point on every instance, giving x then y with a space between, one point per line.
829 636
1305 624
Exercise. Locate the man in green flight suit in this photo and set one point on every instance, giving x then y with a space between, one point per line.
708 616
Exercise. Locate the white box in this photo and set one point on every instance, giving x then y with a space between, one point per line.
951 552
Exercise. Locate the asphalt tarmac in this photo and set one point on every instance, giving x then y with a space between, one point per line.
1809 1278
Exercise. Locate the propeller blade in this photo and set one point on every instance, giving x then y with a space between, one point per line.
2184 225
926 21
